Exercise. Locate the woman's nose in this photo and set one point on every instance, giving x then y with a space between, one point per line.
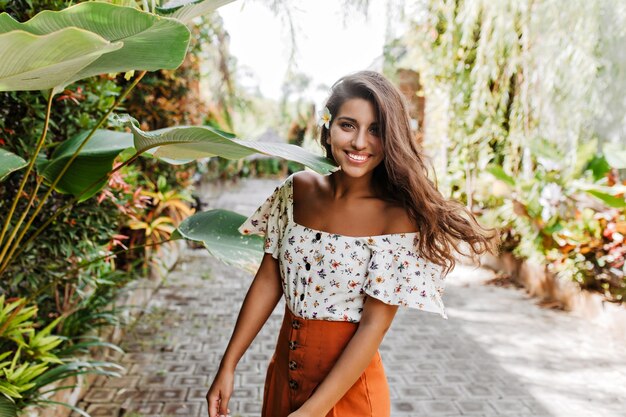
360 140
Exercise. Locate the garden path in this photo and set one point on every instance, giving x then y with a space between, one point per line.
498 354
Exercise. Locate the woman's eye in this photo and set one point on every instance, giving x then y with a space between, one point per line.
346 125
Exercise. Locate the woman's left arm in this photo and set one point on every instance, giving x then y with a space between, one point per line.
375 320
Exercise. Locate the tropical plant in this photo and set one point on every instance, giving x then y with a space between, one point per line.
28 362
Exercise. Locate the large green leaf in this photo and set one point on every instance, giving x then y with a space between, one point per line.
217 230
186 10
149 42
92 163
9 162
185 143
40 62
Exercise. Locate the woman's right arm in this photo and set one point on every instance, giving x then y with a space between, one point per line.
261 299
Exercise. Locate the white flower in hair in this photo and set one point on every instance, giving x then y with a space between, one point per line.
325 118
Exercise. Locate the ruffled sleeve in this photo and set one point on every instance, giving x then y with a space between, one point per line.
270 219
397 275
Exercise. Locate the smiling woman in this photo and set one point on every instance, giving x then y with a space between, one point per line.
345 250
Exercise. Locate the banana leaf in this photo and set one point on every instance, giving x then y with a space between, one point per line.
129 40
94 161
9 162
217 230
182 144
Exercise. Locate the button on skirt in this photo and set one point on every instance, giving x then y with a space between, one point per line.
305 354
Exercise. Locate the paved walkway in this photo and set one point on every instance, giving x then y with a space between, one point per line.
498 354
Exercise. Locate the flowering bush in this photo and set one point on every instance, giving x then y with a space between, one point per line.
566 224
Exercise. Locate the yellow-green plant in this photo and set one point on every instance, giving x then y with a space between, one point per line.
29 361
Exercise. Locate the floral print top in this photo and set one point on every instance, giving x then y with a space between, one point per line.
327 276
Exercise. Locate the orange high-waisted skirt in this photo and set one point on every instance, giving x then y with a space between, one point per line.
305 354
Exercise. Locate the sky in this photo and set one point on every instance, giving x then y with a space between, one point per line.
330 42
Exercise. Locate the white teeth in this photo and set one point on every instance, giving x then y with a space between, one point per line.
358 157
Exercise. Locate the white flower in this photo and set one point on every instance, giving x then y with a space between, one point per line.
551 197
552 194
325 118
549 164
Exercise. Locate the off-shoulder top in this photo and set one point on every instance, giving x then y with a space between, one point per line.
327 276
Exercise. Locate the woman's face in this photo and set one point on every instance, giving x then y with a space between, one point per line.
354 137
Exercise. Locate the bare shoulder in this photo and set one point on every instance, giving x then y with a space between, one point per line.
398 219
305 183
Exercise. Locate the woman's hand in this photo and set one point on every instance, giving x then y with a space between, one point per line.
220 392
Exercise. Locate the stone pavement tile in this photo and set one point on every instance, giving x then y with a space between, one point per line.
440 408
428 367
196 357
421 379
250 408
406 408
449 391
397 367
451 378
160 379
472 406
103 410
485 377
180 368
253 379
434 356
480 391
197 394
143 369
181 409
513 391
145 408
100 395
126 395
99 381
246 392
123 382
206 369
504 407
143 395
190 381
169 394
189 347
417 393
458 365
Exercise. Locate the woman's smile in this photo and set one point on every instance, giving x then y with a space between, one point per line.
358 158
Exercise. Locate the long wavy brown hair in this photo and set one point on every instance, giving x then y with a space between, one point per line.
403 176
